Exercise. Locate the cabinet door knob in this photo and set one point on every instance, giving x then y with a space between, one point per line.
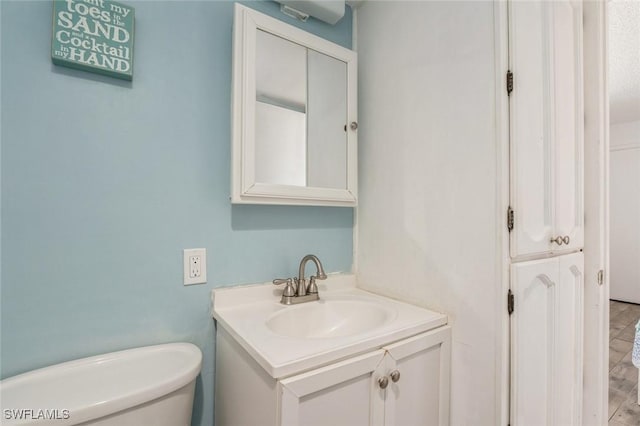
565 239
353 125
395 376
558 240
383 382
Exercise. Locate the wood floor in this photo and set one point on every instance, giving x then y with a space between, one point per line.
623 376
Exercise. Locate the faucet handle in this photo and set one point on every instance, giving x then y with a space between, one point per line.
313 288
289 291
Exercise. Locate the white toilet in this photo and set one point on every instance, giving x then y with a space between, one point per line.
152 385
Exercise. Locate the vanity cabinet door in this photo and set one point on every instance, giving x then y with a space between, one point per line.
341 394
420 396
403 384
546 123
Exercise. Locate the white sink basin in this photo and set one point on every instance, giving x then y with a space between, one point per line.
287 340
329 318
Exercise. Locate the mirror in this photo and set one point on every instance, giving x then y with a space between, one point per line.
293 108
301 112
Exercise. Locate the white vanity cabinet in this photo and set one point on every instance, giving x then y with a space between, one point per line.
361 390
351 358
346 392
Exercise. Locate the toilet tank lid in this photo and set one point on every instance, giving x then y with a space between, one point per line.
97 386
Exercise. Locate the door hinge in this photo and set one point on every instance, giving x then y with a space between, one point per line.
509 82
510 302
510 219
601 276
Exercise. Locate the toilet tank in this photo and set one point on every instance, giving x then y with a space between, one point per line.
149 385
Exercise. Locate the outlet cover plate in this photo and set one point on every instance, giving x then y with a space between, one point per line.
191 256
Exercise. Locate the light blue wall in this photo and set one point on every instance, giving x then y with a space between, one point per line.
105 182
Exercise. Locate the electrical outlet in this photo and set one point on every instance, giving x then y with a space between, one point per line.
195 266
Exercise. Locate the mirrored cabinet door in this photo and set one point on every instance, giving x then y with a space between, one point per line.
281 111
294 115
327 125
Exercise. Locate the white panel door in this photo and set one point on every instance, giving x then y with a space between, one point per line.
530 130
420 396
533 324
546 341
341 394
546 122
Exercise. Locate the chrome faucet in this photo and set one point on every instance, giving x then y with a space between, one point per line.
296 289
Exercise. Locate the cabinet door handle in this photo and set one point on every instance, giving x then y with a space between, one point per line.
383 382
395 376
565 239
558 240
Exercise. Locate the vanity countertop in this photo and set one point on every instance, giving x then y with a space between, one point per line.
245 312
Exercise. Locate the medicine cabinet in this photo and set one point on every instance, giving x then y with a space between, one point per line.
294 124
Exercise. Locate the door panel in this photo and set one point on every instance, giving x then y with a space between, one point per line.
546 341
421 396
533 327
339 394
346 403
530 127
546 122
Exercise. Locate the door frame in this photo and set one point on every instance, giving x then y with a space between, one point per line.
596 247
503 259
596 204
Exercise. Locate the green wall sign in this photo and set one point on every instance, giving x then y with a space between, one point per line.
94 36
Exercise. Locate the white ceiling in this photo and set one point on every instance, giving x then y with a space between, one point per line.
624 60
